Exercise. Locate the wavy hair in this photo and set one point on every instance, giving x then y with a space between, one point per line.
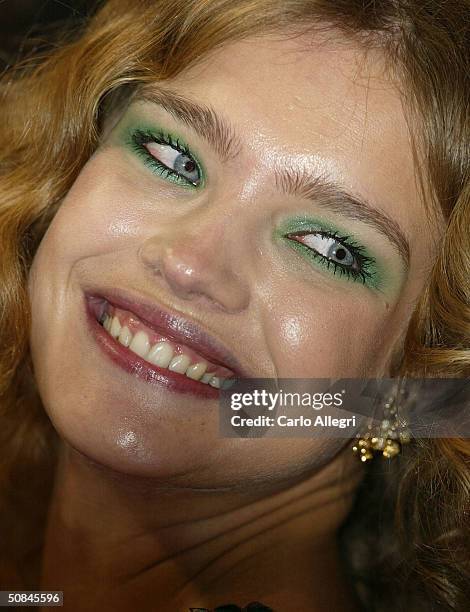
411 550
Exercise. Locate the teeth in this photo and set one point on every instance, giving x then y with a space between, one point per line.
216 382
196 370
207 377
160 354
107 322
140 344
115 327
125 337
179 364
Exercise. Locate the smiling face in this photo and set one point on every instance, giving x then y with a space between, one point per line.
265 198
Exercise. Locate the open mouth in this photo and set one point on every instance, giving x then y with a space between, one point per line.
154 349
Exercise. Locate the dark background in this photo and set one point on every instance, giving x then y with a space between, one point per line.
28 26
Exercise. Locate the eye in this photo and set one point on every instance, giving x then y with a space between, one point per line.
342 253
327 246
174 160
168 156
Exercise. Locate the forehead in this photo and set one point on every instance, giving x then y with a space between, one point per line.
323 102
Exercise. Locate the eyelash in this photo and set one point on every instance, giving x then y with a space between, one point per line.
138 140
357 251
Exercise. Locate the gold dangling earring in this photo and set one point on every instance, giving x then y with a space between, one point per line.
389 436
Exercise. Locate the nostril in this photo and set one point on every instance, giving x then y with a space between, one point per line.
187 265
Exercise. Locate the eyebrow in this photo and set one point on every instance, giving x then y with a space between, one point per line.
209 125
321 190
330 195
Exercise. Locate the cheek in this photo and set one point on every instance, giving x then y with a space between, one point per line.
323 333
97 211
95 219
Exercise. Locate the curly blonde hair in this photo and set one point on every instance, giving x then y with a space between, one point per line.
418 537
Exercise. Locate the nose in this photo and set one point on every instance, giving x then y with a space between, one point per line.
196 262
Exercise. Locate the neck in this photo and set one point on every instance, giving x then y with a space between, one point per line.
137 538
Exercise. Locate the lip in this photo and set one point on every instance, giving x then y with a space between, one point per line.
170 324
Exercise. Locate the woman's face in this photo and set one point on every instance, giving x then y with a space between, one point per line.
286 227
